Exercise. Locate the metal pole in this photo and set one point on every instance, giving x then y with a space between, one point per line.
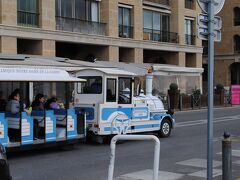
181 103
210 89
226 157
85 126
134 138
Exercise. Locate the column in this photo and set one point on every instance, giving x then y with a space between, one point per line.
48 48
8 45
8 12
47 14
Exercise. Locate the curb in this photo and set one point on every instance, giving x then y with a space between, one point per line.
205 109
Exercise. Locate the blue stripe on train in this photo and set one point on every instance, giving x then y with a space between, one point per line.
131 113
158 116
146 126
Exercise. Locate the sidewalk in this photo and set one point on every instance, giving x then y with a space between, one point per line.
189 169
205 109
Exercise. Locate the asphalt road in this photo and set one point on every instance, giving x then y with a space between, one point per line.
183 155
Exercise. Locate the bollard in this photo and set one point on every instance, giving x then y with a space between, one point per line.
226 157
180 103
4 167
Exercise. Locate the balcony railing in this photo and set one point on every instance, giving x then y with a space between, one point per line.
125 31
161 36
189 4
190 39
27 19
81 26
237 22
164 2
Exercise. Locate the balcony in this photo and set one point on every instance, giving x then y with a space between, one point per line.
163 2
189 4
29 19
190 39
161 36
125 31
81 26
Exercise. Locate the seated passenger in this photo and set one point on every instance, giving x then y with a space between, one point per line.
52 103
38 103
96 87
13 105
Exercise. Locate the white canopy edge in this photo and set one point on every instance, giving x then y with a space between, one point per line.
111 71
172 70
33 74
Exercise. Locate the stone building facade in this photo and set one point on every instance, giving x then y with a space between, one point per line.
227 52
137 31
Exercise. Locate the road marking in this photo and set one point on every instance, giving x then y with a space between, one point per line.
201 163
148 175
216 139
203 173
204 121
236 153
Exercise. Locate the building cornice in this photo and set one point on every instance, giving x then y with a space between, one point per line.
63 36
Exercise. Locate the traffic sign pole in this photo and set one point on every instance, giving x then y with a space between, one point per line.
210 89
210 25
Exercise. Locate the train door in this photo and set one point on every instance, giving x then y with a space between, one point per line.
125 105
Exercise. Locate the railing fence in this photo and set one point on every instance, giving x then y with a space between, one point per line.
187 102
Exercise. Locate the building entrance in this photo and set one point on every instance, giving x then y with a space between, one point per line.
235 73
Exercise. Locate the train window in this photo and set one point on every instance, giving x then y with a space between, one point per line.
111 90
125 91
92 85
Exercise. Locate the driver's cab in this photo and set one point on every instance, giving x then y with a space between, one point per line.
105 92
104 85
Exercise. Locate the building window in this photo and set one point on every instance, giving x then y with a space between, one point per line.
189 4
27 13
79 16
237 44
236 16
157 26
124 22
87 10
189 36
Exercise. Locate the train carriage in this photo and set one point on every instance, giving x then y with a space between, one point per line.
59 126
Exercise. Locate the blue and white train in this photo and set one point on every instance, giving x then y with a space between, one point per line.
103 101
112 106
